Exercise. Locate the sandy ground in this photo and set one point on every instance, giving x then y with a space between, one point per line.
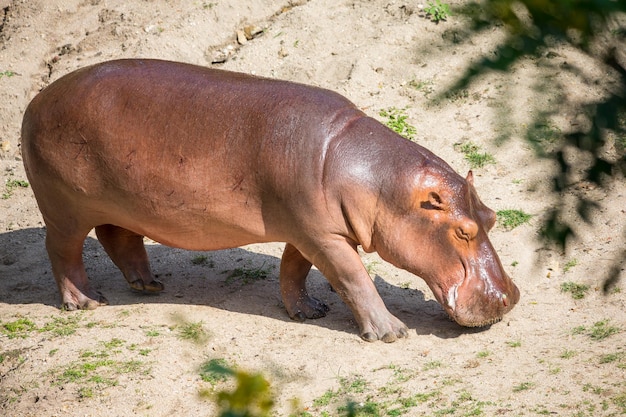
552 355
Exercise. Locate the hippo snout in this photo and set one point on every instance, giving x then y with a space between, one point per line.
476 304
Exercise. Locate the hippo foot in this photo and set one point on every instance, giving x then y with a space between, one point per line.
85 304
308 308
388 332
153 287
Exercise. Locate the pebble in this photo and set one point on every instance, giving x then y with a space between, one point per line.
242 39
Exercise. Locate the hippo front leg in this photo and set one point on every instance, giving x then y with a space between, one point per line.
342 266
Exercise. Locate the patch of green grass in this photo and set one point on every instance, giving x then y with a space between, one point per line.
474 155
578 291
620 401
599 331
611 357
570 264
246 275
397 121
82 371
437 11
92 354
113 343
567 354
357 397
483 354
152 332
18 328
420 398
63 325
326 398
554 370
524 386
194 332
356 384
425 87
432 365
401 374
593 389
11 185
510 219
514 343
542 410
7 73
102 372
96 370
85 392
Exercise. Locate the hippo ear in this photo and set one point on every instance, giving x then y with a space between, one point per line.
470 177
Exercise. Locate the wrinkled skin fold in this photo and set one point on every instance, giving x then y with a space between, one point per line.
204 159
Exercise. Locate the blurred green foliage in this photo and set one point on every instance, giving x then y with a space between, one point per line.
251 396
594 29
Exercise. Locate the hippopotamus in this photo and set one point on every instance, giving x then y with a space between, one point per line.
207 159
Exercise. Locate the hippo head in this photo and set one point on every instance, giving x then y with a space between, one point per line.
441 236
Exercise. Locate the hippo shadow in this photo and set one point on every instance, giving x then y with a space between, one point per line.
236 280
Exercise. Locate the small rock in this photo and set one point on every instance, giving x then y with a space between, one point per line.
150 29
219 56
5 146
242 39
252 31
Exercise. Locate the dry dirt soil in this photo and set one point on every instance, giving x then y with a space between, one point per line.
552 355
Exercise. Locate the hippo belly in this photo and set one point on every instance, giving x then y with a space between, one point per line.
204 159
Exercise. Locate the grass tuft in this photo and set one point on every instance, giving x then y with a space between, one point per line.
474 155
510 219
396 121
578 291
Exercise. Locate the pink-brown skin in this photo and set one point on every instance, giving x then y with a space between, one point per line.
204 159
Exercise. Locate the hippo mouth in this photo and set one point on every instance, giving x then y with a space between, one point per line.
479 323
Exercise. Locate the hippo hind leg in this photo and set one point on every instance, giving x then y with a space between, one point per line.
294 269
127 251
65 251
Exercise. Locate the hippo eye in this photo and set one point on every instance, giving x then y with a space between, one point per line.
462 234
